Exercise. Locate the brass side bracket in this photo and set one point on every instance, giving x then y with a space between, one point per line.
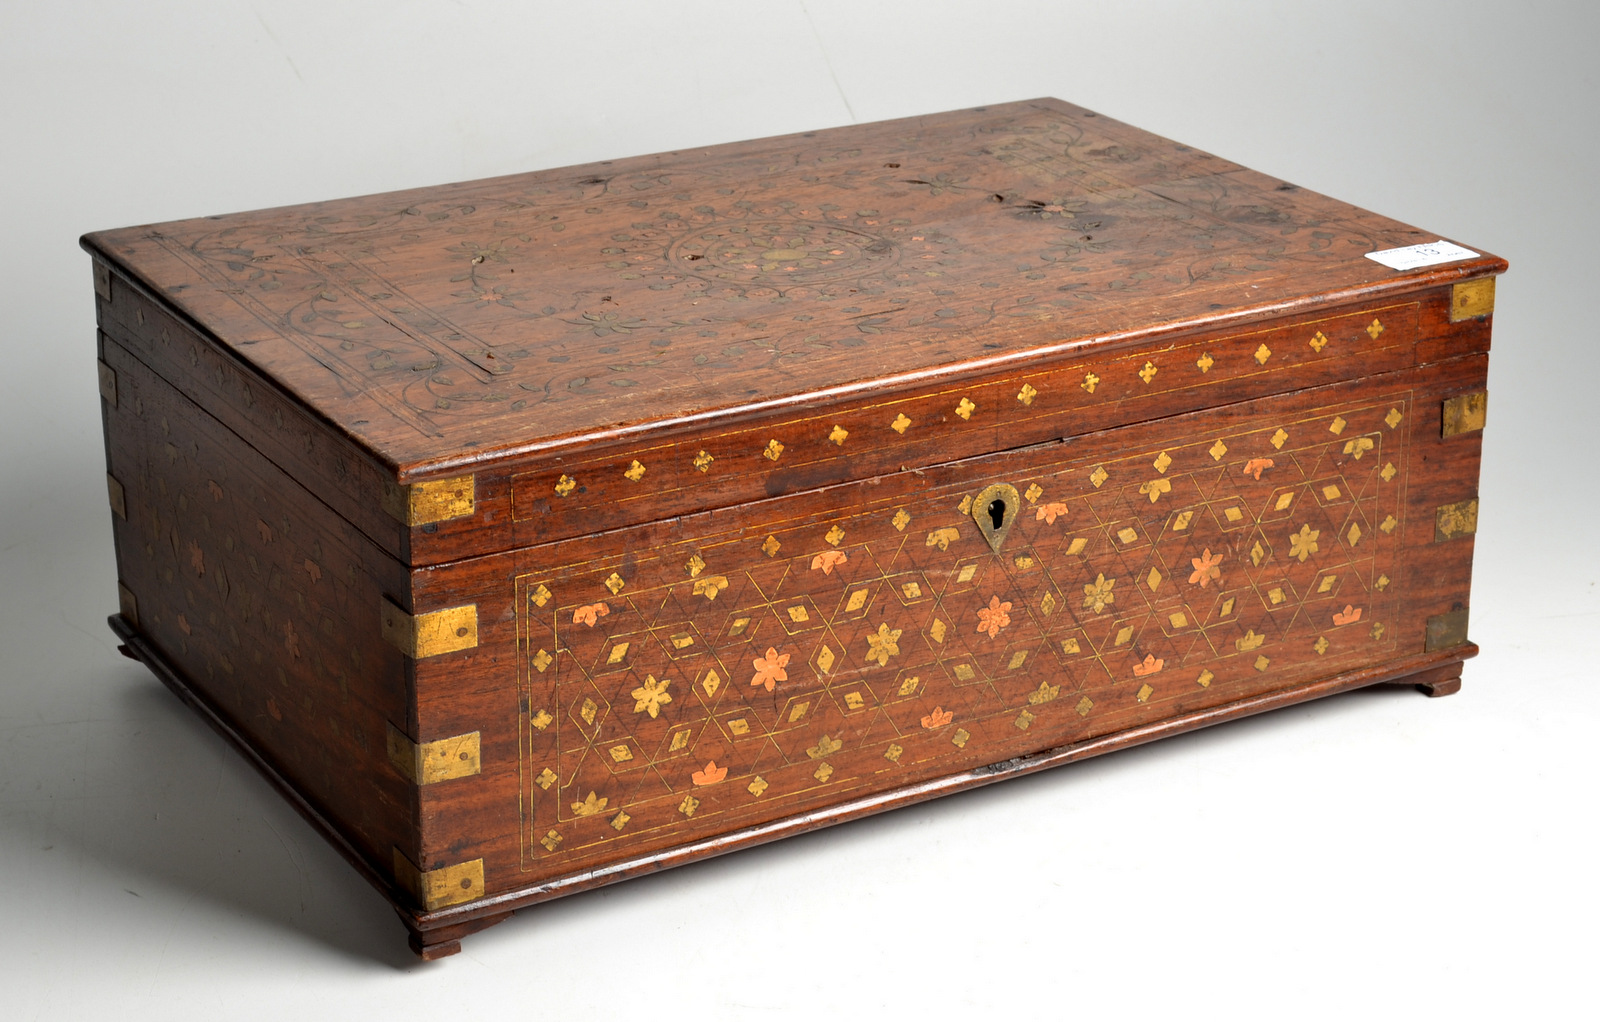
430 634
440 760
1471 299
1465 413
438 888
435 501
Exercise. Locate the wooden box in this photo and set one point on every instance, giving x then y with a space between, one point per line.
538 532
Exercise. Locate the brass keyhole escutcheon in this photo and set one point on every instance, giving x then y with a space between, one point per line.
995 510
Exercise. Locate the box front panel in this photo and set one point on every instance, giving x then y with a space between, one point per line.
645 688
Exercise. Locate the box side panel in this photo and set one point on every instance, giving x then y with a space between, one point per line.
646 688
265 601
227 388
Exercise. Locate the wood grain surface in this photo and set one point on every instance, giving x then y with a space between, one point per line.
782 483
544 311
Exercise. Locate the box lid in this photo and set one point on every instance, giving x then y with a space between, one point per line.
521 318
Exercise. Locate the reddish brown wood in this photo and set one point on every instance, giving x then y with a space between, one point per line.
744 593
1440 681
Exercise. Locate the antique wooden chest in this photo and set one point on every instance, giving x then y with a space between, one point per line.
538 532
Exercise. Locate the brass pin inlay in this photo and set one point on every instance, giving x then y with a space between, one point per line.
440 760
1465 413
430 634
1472 298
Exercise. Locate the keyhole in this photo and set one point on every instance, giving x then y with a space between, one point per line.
997 514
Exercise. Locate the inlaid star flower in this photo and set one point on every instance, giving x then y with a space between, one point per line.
1097 594
994 617
884 644
1048 513
1304 543
651 696
1205 568
770 669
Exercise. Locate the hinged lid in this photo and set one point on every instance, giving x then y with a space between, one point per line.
515 324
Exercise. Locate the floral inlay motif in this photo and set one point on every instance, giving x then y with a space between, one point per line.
994 617
770 669
884 643
1205 568
1097 595
1303 544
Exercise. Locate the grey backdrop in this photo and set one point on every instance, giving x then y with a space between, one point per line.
1376 853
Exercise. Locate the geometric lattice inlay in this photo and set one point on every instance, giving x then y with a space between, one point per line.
852 652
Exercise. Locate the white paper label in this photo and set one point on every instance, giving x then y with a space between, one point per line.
1413 256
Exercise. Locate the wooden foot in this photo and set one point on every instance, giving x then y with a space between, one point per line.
444 941
1433 683
1443 687
433 952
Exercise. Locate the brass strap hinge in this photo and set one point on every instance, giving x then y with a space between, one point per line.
1458 519
118 496
1472 298
108 384
1446 631
1465 413
430 762
127 604
436 501
437 888
424 635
